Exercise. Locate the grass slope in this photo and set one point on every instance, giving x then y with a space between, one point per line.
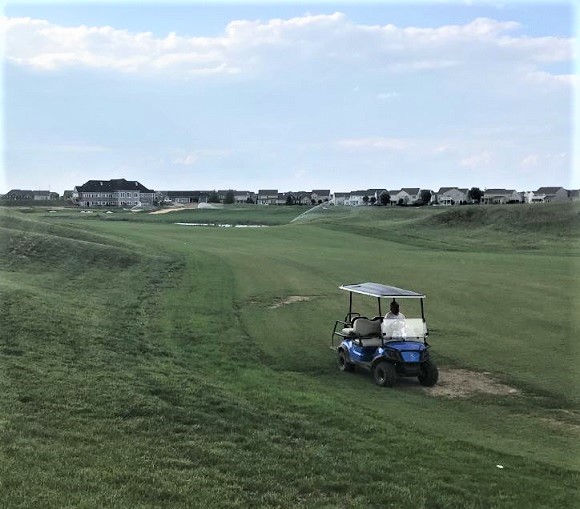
144 365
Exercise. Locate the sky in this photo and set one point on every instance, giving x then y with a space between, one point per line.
290 96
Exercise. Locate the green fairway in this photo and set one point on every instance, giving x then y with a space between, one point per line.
149 364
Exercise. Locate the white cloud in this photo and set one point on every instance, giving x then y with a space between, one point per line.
476 161
193 157
187 160
530 161
387 96
376 143
261 46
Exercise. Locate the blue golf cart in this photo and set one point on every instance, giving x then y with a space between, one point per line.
389 346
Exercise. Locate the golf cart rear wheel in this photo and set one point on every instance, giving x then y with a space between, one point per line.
385 374
429 374
343 363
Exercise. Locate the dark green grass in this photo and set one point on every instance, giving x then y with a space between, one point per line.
142 365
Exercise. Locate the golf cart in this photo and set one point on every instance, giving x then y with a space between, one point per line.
388 347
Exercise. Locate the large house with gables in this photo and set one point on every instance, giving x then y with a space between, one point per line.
113 193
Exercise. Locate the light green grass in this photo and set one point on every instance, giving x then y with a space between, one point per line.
142 364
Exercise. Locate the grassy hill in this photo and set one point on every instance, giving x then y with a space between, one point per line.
147 364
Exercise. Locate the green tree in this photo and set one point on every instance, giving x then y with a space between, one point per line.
424 196
289 200
475 194
230 197
366 199
384 199
373 200
213 197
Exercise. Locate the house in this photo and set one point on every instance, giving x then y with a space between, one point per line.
244 197
501 196
20 194
553 194
295 198
113 193
451 196
357 198
320 195
339 198
267 197
185 197
302 198
533 197
375 195
405 196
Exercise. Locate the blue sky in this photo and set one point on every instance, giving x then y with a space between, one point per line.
289 96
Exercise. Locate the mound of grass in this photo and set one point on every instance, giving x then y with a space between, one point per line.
532 228
553 219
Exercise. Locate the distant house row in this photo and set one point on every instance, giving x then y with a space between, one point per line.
127 193
404 196
24 194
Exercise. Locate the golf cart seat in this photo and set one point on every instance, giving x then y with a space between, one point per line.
365 329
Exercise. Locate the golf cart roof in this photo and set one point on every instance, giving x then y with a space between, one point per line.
378 290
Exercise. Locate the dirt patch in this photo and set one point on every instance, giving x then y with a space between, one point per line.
292 299
462 383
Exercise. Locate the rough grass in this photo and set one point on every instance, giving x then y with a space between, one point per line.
149 369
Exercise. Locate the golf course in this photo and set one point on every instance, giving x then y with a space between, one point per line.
146 363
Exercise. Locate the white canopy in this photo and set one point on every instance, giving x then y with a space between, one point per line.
378 290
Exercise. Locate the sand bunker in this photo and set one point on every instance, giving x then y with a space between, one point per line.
292 299
461 383
175 208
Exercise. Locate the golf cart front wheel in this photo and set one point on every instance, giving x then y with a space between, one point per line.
429 374
385 374
343 363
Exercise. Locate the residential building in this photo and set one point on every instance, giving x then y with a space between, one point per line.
357 198
320 195
553 194
244 197
501 196
375 195
21 194
267 197
302 198
405 196
452 196
113 193
183 197
339 198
